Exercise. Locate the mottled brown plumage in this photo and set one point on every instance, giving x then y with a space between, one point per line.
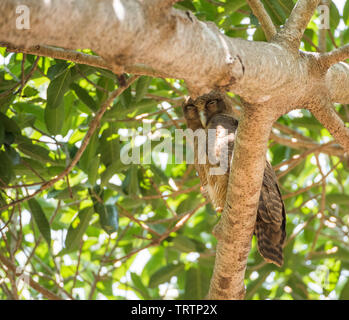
213 111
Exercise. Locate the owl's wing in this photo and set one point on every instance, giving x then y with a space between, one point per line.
200 168
271 219
220 133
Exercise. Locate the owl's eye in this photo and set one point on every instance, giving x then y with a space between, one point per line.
190 107
212 104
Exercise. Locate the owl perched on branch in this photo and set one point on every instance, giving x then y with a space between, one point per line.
212 114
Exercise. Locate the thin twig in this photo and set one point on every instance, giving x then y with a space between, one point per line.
93 126
263 18
36 286
175 228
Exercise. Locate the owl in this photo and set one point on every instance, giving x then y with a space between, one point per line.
213 114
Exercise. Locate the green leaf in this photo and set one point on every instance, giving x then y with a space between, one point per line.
108 217
25 120
13 155
232 6
5 102
196 284
130 185
126 98
90 152
346 13
54 119
334 16
2 133
109 147
165 274
141 288
31 109
35 151
84 96
142 87
184 244
6 172
40 219
70 113
77 229
338 198
93 170
113 168
56 70
65 193
30 92
188 204
186 5
57 88
345 292
107 84
9 124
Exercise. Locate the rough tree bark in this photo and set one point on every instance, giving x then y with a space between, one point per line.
152 38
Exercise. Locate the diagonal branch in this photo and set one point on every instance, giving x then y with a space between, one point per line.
263 18
59 53
93 126
330 58
83 58
297 22
36 286
329 118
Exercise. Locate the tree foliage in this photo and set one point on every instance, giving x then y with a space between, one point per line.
113 230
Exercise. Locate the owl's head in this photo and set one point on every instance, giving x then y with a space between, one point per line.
191 114
211 104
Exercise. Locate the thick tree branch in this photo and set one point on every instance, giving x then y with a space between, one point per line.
329 118
234 230
297 22
337 81
174 45
263 18
322 31
330 58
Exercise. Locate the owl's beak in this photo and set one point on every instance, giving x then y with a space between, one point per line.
203 118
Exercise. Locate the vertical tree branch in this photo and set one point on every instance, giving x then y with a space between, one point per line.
263 18
297 22
323 31
235 229
36 286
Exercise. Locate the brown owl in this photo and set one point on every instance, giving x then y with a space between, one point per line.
213 113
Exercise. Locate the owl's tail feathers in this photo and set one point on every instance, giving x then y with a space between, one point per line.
270 242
